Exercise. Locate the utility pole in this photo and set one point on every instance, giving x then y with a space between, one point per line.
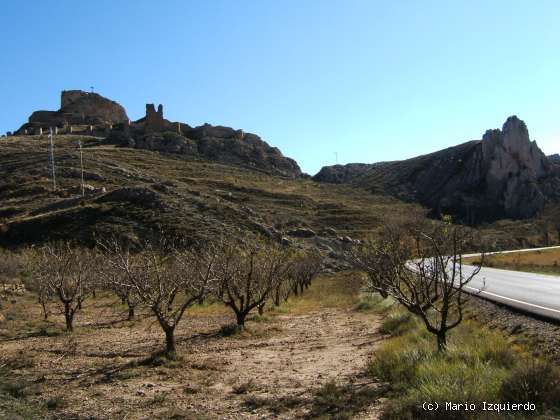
81 166
336 157
52 158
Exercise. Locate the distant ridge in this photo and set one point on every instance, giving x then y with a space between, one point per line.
504 175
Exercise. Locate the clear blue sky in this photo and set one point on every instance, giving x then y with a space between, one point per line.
371 80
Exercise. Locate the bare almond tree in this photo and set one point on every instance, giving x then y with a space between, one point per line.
123 289
164 279
248 274
423 271
65 273
305 269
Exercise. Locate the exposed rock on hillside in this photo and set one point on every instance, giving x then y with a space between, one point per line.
77 108
340 174
223 144
504 175
554 158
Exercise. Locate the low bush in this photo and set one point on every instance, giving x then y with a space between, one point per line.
373 302
398 323
537 382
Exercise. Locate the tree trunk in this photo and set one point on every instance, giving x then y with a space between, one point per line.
69 317
261 309
130 313
441 342
240 319
170 350
45 311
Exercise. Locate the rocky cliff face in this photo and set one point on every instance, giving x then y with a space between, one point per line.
218 143
512 165
94 108
504 175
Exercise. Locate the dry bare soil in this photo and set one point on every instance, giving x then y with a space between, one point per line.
276 369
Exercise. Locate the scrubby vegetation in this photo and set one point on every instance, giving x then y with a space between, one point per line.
541 261
479 366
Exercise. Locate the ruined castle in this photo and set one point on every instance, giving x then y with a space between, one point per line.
80 112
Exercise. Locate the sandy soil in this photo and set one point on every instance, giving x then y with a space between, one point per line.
273 371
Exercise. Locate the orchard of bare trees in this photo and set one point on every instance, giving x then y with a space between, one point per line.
165 278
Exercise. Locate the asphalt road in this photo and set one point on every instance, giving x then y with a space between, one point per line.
534 293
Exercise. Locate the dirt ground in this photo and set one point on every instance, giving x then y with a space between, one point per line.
303 362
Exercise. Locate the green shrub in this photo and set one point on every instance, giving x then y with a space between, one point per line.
374 302
535 382
479 365
397 323
397 360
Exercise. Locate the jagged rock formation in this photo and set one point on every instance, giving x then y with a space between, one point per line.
223 144
504 175
554 158
77 108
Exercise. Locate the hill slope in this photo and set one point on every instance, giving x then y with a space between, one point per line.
138 192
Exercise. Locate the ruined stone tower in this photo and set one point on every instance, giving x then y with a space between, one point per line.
154 120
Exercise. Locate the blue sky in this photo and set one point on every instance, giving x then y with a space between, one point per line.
370 80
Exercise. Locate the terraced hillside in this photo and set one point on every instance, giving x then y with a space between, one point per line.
136 192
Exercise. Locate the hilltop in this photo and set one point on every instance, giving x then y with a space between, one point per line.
91 114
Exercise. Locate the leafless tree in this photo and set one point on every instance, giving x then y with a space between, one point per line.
423 271
41 288
248 274
305 269
63 272
164 279
116 282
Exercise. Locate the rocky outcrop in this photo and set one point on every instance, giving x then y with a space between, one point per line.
77 108
91 108
504 175
340 174
219 143
554 158
512 165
